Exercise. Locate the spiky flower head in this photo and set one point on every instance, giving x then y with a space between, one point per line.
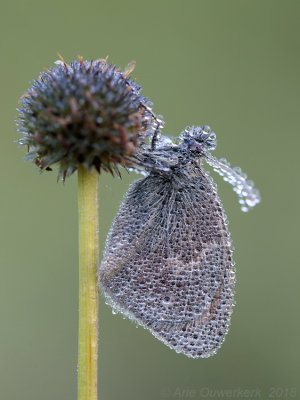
84 113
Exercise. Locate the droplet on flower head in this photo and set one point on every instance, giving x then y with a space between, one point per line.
84 113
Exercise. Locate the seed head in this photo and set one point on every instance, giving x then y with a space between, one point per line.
84 113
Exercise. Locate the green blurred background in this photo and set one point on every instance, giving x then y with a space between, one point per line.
231 64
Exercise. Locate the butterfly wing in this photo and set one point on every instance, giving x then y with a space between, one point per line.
167 262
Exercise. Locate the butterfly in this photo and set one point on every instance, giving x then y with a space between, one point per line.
168 262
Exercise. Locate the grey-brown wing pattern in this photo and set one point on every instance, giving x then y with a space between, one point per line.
168 263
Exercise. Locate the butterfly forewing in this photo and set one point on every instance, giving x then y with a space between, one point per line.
167 262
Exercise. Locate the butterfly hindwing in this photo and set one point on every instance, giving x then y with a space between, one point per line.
167 262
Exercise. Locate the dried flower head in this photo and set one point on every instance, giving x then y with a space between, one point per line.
84 113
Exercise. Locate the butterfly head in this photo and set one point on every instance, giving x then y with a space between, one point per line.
196 138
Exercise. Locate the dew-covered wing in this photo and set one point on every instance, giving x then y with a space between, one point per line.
168 262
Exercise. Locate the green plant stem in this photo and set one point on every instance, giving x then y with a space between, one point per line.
88 204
